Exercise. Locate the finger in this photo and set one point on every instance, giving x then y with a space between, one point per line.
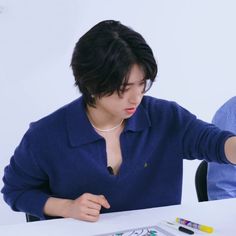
100 199
87 217
104 202
92 212
85 211
93 205
90 218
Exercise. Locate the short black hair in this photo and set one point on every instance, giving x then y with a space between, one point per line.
104 56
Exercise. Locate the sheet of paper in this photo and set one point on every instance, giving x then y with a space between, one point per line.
146 231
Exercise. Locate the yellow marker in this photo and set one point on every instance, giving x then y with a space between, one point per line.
193 225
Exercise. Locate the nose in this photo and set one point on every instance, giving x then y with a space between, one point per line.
135 96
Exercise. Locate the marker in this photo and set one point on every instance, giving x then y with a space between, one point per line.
180 228
193 225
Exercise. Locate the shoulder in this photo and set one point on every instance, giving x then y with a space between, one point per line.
151 102
168 114
232 101
53 123
228 106
161 107
225 116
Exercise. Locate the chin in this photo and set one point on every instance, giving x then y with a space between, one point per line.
128 116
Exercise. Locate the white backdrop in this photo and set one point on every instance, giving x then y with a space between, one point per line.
193 41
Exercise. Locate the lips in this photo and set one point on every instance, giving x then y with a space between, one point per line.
130 110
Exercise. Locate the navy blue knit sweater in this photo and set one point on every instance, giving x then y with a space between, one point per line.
62 156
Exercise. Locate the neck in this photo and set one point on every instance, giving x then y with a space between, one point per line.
101 122
109 129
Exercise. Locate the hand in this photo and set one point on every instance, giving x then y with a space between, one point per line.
87 207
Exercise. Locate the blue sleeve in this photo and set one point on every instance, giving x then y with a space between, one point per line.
221 181
25 184
202 140
221 178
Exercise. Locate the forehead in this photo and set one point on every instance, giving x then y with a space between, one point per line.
136 74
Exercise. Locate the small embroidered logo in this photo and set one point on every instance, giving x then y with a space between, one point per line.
145 165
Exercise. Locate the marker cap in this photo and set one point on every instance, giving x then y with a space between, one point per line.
206 229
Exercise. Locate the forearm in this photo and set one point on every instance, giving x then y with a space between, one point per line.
57 207
230 149
86 207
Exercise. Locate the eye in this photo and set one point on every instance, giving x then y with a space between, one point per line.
143 84
124 88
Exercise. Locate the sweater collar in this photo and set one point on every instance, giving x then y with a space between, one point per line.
80 130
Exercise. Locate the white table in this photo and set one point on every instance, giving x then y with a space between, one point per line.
219 214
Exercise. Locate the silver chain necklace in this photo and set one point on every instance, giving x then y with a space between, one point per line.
107 130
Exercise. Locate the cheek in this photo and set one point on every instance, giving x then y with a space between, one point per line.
115 103
117 106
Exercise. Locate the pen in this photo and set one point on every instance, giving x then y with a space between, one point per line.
180 228
203 228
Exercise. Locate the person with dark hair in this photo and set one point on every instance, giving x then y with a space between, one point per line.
112 149
101 65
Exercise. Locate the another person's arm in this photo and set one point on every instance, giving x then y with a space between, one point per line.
221 178
221 181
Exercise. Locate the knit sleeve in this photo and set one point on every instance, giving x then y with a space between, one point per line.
25 183
202 140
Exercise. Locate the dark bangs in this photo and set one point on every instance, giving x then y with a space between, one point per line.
103 57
